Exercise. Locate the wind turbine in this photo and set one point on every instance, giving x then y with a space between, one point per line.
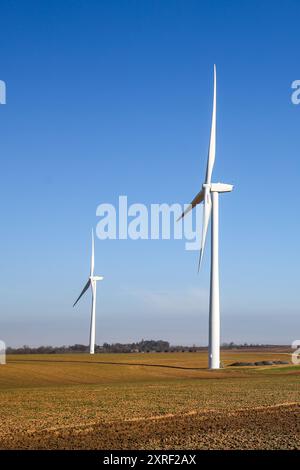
209 195
92 282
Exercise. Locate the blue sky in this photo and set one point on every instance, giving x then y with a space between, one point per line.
109 98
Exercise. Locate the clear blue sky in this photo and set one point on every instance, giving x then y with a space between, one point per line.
114 97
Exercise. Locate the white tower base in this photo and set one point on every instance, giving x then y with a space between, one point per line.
214 307
93 318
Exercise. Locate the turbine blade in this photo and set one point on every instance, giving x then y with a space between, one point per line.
93 255
83 291
197 199
206 218
212 142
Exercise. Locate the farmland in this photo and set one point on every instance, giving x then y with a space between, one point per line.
149 401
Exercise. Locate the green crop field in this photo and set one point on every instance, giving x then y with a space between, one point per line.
149 401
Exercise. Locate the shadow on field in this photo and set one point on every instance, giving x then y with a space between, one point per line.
136 364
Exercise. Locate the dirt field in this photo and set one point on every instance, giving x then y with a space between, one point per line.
149 401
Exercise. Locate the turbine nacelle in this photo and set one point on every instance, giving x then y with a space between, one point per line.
218 187
96 278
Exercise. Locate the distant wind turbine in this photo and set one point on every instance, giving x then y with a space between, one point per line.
92 282
209 195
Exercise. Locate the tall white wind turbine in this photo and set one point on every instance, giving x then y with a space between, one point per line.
209 195
92 282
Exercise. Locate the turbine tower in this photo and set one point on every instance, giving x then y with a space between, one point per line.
209 195
92 282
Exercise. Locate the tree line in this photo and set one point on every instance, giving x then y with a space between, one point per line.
143 346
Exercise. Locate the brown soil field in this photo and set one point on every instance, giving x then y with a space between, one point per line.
149 401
